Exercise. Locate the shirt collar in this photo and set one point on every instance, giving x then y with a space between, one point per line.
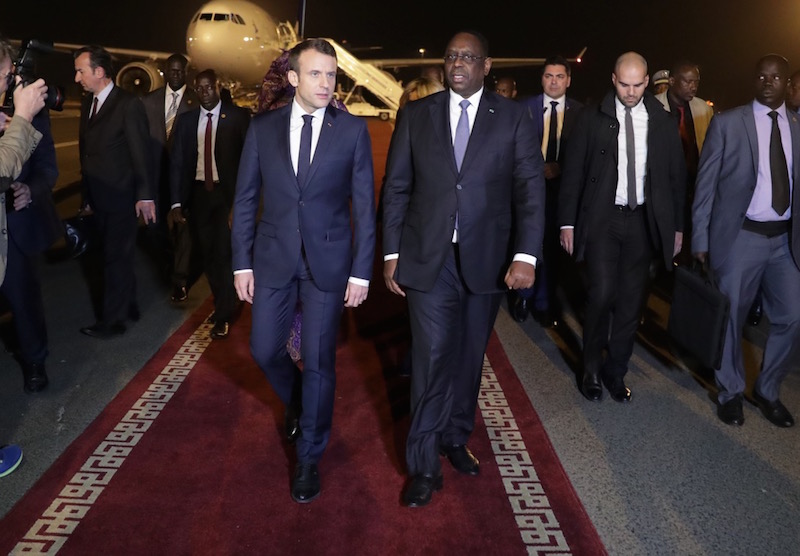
634 109
180 91
762 109
547 99
215 111
298 112
103 95
474 100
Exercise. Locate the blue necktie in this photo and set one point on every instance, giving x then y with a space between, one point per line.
304 155
462 134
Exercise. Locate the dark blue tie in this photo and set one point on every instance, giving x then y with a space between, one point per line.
304 155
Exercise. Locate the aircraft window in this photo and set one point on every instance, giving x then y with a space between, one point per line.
221 17
239 18
196 17
206 17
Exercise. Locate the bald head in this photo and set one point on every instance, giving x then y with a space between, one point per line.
630 78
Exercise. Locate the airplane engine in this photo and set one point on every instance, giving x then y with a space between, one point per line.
140 77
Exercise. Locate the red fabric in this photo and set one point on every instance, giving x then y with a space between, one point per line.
207 156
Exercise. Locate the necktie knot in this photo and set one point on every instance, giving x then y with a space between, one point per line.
554 104
307 119
464 105
774 115
627 109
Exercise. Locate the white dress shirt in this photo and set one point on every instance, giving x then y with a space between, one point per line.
200 170
547 108
640 125
168 99
296 128
101 97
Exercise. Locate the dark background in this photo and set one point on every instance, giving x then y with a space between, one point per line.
724 37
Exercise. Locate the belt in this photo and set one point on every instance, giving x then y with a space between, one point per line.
626 208
770 228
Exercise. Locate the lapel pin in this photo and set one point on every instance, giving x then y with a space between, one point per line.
222 116
330 124
491 110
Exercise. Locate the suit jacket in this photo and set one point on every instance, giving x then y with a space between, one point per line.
726 179
572 109
231 131
37 227
701 117
500 187
115 158
160 146
589 177
332 216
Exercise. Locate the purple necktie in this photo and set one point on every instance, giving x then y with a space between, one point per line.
462 135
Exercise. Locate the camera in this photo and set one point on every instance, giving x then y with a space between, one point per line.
24 66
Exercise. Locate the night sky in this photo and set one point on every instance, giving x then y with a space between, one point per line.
724 37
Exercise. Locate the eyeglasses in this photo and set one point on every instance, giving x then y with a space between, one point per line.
466 58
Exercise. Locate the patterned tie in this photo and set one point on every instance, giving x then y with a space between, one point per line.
778 169
462 134
552 138
207 168
304 154
630 150
94 109
171 113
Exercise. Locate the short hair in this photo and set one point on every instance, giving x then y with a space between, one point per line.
484 42
681 65
180 58
775 57
99 57
557 60
209 74
423 86
320 45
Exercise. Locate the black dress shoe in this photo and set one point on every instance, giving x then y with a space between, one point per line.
775 412
291 422
35 377
420 490
755 313
461 459
104 331
617 390
179 294
220 330
591 388
520 308
731 412
305 485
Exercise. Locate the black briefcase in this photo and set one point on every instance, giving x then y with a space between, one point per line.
699 314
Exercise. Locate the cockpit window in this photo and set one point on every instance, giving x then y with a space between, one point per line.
206 17
196 17
221 17
238 18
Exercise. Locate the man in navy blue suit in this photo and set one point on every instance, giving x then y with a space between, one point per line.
33 226
312 166
463 222
553 136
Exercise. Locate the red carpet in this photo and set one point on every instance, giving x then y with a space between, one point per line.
187 459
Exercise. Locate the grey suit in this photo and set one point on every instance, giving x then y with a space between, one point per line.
744 259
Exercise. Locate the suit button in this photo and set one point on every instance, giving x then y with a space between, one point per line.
602 151
458 186
302 204
594 180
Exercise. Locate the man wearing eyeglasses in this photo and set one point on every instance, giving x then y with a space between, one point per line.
463 222
203 169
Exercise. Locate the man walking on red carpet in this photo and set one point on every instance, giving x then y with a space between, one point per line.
312 165
464 170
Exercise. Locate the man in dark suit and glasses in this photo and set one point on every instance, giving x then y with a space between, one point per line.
743 214
311 165
117 181
622 197
463 221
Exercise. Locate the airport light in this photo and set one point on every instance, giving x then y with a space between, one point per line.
421 52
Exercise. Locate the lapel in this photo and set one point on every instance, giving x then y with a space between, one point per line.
324 142
283 122
538 115
748 119
105 108
440 116
794 127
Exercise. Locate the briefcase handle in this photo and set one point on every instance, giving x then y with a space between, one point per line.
705 272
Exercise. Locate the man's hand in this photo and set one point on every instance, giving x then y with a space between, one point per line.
22 195
520 275
30 99
147 210
355 295
678 244
567 239
551 170
701 256
244 285
176 215
389 268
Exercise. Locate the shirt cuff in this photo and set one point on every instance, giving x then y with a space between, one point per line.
391 257
567 228
358 281
530 259
242 271
176 205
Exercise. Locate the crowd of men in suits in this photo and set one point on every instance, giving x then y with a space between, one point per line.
483 195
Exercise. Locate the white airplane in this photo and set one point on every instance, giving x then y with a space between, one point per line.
240 40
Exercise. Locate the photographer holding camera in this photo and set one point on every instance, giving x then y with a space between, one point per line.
16 145
33 226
